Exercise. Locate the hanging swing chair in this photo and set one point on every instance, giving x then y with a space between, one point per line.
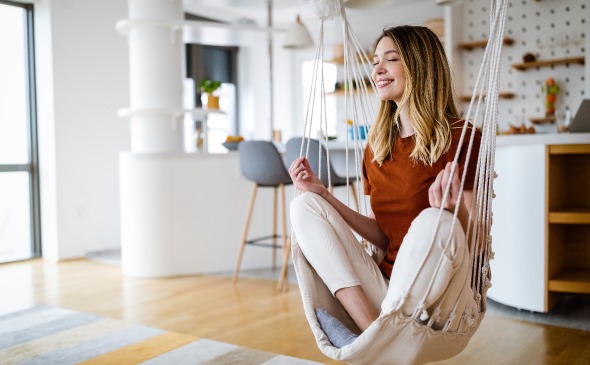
396 338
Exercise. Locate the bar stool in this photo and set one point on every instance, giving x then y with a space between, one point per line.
261 163
293 152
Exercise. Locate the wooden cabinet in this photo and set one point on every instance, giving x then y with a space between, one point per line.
568 220
541 219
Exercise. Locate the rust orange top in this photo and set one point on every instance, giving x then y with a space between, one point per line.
399 187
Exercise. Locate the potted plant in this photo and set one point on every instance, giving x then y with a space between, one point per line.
208 87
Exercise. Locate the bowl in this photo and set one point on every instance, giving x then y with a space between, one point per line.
232 146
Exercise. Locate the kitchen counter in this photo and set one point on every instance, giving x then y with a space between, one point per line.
520 233
543 138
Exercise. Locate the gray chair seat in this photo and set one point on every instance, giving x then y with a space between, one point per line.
261 163
293 148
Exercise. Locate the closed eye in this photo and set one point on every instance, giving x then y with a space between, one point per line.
375 63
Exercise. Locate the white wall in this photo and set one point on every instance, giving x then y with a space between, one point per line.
83 80
549 30
82 70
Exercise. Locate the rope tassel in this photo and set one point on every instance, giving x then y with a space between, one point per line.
328 9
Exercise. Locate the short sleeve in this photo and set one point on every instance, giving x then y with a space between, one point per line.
473 156
366 160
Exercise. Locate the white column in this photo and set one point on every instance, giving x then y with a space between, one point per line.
154 29
149 247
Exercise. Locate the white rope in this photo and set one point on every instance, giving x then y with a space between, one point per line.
492 60
360 109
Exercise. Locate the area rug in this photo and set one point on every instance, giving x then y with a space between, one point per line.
572 311
49 335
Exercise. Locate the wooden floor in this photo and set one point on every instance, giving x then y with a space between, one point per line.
251 314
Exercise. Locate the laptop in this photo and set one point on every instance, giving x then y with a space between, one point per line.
581 122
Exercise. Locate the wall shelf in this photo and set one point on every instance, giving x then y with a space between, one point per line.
468 46
571 281
542 120
570 217
557 61
503 95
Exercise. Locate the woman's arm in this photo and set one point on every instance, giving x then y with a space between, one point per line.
305 180
437 190
436 193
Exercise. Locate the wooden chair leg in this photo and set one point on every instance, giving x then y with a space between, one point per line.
356 199
283 279
245 233
274 228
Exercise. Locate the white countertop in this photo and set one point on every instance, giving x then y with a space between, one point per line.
501 140
543 138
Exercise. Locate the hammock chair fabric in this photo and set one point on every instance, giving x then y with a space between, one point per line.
395 338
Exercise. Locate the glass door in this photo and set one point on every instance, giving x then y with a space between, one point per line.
19 197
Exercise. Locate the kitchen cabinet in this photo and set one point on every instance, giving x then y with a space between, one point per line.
541 219
568 220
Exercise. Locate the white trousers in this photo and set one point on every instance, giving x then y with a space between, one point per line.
332 249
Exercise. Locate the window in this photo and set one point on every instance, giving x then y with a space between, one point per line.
330 75
19 191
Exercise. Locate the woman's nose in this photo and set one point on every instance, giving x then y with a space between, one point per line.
378 69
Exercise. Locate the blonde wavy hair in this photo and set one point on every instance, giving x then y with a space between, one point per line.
428 93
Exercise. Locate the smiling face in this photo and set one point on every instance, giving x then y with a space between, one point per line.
388 71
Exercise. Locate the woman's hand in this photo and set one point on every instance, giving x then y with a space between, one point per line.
437 189
304 178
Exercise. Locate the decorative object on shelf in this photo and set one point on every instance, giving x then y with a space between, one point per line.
360 133
298 36
528 57
200 137
232 142
550 89
209 87
520 126
563 118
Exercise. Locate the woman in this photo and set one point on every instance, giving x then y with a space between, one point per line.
406 166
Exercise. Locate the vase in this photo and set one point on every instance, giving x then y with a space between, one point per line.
212 101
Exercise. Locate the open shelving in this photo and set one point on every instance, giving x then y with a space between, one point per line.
502 95
468 46
568 220
553 62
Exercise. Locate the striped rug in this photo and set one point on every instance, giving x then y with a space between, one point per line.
48 335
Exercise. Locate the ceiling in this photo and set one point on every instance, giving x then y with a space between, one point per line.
243 14
283 11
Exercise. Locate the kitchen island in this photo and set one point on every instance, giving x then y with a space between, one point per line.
541 219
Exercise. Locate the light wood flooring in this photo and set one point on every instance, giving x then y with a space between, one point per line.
252 313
